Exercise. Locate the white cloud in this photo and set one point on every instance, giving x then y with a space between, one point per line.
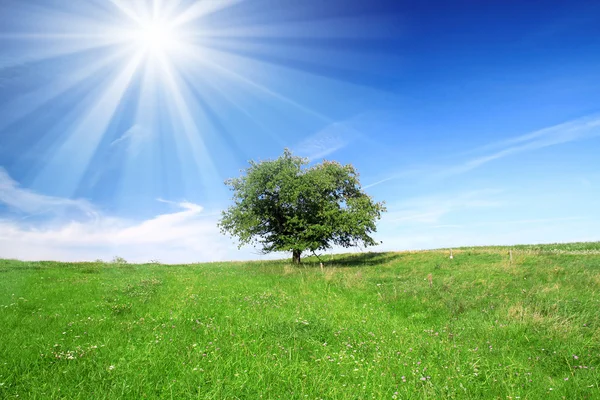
327 141
467 239
133 140
431 209
560 230
183 236
188 234
29 202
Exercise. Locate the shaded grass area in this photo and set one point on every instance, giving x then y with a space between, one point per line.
366 326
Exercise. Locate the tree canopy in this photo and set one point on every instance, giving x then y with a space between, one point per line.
284 205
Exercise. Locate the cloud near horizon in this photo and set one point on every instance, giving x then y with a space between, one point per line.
188 234
431 209
181 236
22 200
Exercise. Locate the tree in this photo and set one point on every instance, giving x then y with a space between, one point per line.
283 205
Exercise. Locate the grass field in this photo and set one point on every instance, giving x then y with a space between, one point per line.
369 326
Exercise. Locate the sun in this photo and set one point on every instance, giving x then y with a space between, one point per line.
155 37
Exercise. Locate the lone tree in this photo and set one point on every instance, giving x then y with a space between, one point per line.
283 205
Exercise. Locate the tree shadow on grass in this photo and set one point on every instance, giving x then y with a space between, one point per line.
352 260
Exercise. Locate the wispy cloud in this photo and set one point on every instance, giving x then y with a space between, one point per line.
584 181
541 231
532 221
379 182
183 236
579 129
187 234
430 210
133 140
327 141
29 202
408 173
510 222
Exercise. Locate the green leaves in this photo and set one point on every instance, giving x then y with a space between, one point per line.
281 205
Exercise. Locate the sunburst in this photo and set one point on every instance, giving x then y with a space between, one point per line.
188 73
155 37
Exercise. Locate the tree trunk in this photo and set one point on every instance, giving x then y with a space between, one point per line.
296 256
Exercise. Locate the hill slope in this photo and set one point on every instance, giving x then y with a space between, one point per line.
387 325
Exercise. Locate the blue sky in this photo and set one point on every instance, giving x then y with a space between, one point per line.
477 122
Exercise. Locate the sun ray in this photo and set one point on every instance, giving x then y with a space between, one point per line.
55 49
74 155
27 104
140 173
190 75
325 28
212 54
201 9
46 32
179 107
217 86
125 7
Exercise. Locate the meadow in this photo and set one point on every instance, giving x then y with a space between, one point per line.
410 325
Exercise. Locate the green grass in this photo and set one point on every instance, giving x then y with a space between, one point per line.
366 326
